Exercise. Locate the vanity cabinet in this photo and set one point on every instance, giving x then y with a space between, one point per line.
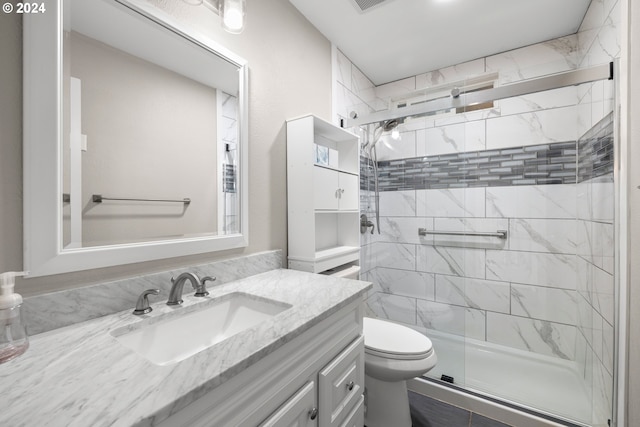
314 380
335 401
322 199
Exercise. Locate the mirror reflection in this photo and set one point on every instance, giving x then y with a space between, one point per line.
150 131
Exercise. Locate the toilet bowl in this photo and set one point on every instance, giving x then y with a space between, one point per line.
393 354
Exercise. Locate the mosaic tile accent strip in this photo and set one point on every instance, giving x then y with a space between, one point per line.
595 151
366 174
530 165
555 163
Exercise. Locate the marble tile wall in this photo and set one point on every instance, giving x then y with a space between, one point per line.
520 292
598 42
595 252
549 287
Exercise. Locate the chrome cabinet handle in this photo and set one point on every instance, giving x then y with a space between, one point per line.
350 385
142 306
313 413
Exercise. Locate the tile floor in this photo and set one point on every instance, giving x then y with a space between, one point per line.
428 412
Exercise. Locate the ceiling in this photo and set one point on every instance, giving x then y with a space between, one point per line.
401 38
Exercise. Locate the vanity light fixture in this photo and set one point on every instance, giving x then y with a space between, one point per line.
231 12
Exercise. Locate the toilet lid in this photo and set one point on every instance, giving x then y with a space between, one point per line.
394 341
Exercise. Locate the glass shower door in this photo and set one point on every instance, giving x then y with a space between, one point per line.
496 237
523 301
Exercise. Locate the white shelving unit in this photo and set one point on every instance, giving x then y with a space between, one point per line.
323 201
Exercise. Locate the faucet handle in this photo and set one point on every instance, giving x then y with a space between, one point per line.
142 306
201 290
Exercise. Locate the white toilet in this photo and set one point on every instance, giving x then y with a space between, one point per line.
393 354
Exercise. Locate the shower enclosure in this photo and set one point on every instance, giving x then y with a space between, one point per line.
496 235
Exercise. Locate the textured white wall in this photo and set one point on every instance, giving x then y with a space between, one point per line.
10 142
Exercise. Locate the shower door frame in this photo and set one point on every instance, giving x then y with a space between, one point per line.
621 218
463 100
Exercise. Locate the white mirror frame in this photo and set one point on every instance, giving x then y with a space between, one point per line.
42 157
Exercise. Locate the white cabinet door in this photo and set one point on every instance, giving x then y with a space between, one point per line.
349 184
299 411
333 190
325 189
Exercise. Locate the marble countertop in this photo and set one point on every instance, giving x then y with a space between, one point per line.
80 375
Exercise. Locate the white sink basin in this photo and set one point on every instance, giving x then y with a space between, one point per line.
189 330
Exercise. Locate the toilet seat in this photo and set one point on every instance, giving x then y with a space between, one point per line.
392 341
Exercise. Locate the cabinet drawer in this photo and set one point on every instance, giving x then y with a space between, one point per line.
356 417
296 412
341 384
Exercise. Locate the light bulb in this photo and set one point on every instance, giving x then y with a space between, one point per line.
233 19
232 14
395 134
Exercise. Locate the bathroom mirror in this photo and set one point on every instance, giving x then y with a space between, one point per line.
135 138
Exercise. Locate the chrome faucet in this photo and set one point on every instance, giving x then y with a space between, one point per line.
201 289
365 223
142 306
175 294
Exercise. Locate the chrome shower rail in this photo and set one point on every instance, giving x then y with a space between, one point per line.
554 81
500 234
99 198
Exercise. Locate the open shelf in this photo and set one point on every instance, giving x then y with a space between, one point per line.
323 201
337 251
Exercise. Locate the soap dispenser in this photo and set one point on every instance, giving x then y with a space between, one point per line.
13 334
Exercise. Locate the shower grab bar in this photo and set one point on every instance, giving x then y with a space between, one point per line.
99 198
500 234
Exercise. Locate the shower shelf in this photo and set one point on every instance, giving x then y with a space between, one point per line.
500 234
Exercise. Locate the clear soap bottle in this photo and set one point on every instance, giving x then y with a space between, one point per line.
13 334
